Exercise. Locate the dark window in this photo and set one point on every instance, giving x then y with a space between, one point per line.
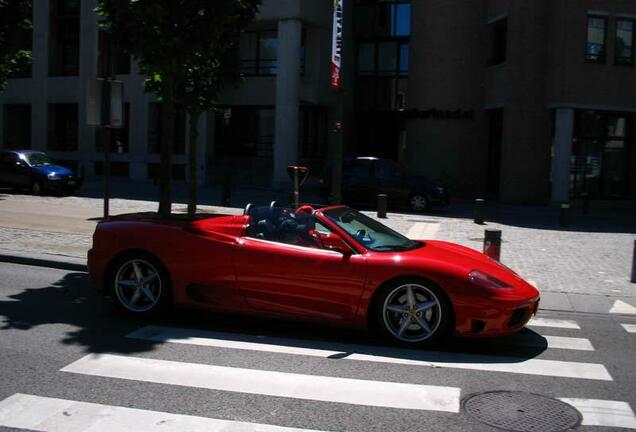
120 57
259 53
20 41
381 93
595 46
389 57
383 18
313 129
155 114
63 123
245 131
117 169
119 137
624 49
178 171
499 36
64 40
17 126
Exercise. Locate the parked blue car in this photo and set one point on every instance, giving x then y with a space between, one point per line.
36 172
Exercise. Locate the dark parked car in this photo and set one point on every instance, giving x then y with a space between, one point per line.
36 172
363 178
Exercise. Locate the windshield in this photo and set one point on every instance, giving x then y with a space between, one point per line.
37 159
368 232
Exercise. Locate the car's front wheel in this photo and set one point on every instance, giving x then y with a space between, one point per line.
36 188
139 284
419 202
412 312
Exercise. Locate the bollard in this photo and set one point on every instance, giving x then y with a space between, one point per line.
633 280
480 205
382 204
564 215
492 243
586 203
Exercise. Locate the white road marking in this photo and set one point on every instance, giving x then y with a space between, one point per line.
598 412
620 307
378 354
553 342
46 414
423 231
629 328
281 384
556 323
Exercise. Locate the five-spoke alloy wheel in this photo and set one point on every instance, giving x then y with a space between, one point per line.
412 312
418 202
139 285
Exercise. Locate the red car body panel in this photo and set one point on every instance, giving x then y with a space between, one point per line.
214 265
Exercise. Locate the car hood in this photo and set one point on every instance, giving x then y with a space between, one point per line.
460 260
50 169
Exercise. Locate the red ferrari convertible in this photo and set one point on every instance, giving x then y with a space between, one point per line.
332 265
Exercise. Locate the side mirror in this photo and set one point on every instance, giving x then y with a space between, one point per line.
332 242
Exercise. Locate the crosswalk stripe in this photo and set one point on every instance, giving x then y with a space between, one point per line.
554 342
555 368
282 384
629 328
557 323
46 414
598 412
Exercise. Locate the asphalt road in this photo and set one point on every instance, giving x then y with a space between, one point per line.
192 368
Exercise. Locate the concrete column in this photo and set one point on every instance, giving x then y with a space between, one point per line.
287 99
39 101
564 128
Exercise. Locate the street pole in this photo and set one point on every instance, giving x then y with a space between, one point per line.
336 173
336 85
106 131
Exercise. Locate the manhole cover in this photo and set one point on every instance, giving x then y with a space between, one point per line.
523 412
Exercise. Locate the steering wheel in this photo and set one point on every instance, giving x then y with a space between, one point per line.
363 237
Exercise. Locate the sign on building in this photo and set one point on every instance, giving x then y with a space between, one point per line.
95 104
336 45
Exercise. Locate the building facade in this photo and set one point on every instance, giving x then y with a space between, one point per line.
515 100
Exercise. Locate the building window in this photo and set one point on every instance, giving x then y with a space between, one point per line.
117 169
178 171
595 46
313 130
17 126
499 37
121 58
63 126
390 18
119 137
624 48
259 53
247 132
155 114
383 58
64 40
381 93
20 41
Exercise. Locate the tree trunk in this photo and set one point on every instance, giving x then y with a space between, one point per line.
192 150
167 145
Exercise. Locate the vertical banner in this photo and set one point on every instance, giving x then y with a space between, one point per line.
336 45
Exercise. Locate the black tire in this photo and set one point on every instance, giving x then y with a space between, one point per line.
386 323
419 202
123 269
36 187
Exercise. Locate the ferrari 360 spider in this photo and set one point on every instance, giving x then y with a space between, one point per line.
330 265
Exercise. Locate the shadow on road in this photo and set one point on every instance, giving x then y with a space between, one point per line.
98 327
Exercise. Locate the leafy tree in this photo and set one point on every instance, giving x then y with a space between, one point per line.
15 18
179 45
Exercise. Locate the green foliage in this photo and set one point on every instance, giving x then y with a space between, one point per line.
15 22
193 41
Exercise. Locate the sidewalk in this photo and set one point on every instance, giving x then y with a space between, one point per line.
584 268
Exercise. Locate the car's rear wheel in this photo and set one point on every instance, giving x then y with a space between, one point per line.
139 284
412 312
419 202
36 188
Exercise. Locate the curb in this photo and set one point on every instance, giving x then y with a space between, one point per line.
43 262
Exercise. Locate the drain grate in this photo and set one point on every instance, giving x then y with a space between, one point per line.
522 412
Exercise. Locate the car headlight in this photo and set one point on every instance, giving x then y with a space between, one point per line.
486 281
52 176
